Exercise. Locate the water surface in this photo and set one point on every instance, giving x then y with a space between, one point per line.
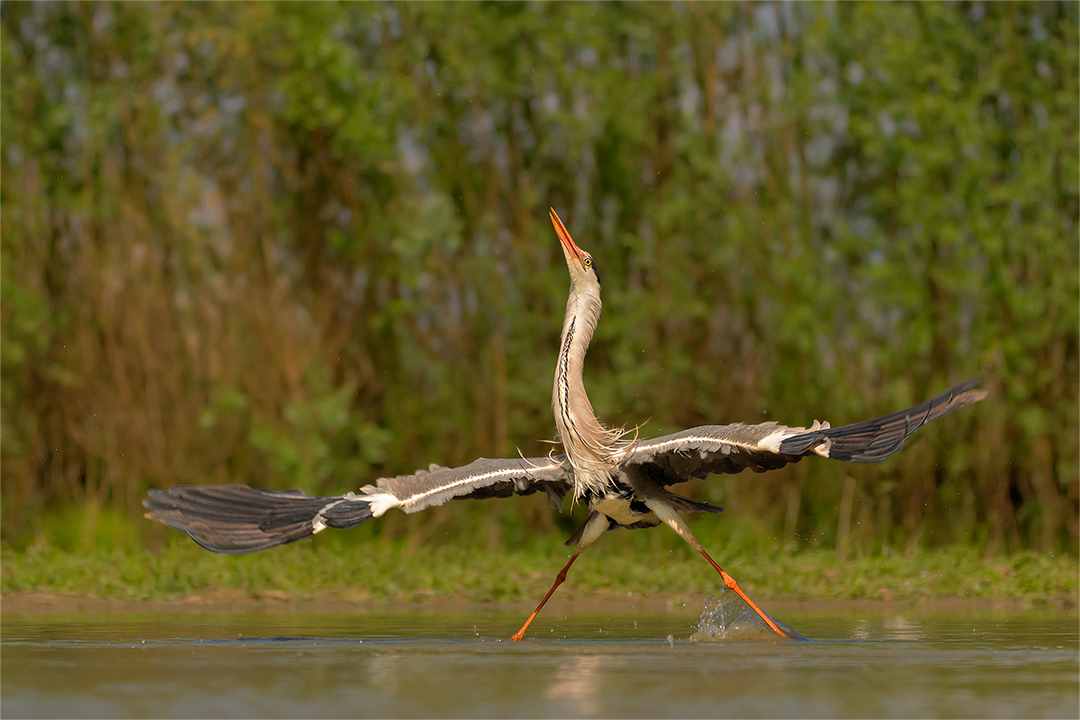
416 662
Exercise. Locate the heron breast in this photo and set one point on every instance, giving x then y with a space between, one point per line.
623 510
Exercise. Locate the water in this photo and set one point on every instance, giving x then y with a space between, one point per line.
417 662
727 618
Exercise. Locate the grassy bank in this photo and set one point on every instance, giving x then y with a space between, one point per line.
382 572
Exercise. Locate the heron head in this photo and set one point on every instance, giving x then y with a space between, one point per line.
578 262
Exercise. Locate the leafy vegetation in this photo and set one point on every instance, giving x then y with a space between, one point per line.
306 245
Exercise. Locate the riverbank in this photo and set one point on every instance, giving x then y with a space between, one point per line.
184 576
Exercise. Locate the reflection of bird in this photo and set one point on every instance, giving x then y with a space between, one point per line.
623 482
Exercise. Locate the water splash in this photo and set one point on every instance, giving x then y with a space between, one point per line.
726 617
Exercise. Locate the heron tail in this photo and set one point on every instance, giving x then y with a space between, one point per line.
236 519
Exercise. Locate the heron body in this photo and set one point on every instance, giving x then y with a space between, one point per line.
625 483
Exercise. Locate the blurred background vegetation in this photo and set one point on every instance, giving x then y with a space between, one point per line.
307 245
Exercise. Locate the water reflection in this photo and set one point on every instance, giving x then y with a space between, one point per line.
454 664
577 681
903 629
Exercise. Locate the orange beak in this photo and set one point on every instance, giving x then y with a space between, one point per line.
564 236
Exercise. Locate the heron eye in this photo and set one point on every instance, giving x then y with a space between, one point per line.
587 262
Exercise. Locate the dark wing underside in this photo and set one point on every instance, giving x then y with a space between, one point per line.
237 519
872 441
701 451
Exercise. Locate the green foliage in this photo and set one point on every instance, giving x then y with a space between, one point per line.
306 245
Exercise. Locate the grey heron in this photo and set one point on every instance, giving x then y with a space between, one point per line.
623 482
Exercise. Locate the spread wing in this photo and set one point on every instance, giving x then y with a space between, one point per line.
480 479
235 519
700 451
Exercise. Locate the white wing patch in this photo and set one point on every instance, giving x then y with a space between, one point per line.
381 502
771 442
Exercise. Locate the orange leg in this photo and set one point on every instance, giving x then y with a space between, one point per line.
730 582
595 526
671 517
559 579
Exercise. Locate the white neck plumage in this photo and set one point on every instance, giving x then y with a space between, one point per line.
589 446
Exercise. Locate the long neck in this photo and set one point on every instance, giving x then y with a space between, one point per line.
589 445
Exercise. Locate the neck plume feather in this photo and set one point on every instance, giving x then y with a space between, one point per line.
589 446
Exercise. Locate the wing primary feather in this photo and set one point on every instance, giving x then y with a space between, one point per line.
874 440
237 519
698 452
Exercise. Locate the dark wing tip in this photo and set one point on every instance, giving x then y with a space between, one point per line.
874 440
236 519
